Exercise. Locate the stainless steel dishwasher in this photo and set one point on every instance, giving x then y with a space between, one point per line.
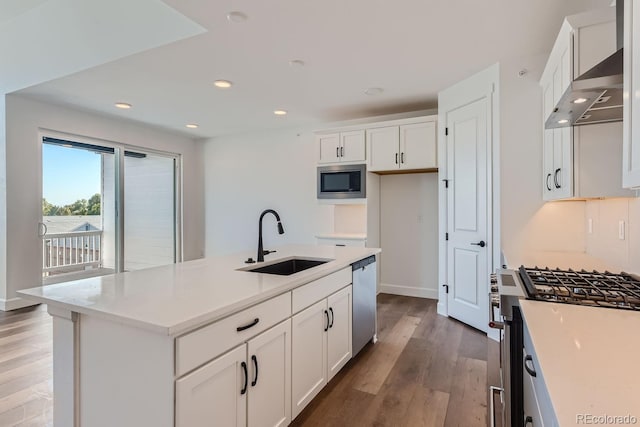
364 303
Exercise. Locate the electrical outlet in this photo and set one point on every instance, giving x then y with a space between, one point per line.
621 229
590 226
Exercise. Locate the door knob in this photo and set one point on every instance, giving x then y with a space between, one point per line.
481 243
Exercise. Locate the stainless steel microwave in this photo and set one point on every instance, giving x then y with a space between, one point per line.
342 182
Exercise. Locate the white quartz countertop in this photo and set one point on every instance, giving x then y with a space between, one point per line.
588 358
176 298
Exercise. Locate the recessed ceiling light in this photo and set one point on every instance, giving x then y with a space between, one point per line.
236 16
296 63
192 126
280 112
374 91
123 105
580 100
563 121
222 84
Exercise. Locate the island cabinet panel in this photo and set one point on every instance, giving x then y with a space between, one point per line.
309 355
339 333
202 345
269 360
124 376
215 394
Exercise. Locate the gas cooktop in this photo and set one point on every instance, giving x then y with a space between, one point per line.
582 287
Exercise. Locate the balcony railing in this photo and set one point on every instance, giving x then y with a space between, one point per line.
66 252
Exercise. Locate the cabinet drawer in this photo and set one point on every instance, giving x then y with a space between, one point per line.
313 292
198 347
340 242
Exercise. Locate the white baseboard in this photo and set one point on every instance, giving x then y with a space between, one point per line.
15 303
408 291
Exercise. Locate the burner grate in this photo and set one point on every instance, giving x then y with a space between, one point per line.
582 287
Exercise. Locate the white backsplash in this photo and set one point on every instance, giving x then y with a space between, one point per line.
603 240
350 219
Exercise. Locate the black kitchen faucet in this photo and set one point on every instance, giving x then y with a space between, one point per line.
261 251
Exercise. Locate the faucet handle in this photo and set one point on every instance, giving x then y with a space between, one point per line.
267 252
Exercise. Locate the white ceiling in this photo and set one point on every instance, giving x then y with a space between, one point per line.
411 48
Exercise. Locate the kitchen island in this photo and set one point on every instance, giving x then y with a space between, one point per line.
184 343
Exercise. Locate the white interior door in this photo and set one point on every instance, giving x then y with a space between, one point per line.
467 202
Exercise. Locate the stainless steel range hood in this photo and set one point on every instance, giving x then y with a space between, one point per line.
595 96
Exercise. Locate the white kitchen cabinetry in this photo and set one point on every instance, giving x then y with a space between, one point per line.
342 241
321 345
249 386
342 147
536 399
631 97
578 161
269 360
213 393
404 147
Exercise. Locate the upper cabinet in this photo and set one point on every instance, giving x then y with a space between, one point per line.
341 147
631 98
404 147
578 161
398 146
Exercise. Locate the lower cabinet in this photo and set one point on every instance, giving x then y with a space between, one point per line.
248 386
538 410
321 346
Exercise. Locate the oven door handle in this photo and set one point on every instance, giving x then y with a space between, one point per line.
493 323
493 390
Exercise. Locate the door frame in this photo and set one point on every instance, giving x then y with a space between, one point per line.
484 84
119 183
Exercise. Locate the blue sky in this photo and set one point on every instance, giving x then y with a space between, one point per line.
69 174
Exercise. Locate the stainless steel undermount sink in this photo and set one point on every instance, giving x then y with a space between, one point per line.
288 267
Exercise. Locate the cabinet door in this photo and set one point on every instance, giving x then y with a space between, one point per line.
308 355
339 334
269 359
563 163
418 146
631 96
213 394
383 150
548 186
352 146
329 148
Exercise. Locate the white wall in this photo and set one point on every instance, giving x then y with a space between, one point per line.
246 174
528 224
604 242
3 198
409 234
25 119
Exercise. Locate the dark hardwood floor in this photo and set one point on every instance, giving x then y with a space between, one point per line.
425 370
